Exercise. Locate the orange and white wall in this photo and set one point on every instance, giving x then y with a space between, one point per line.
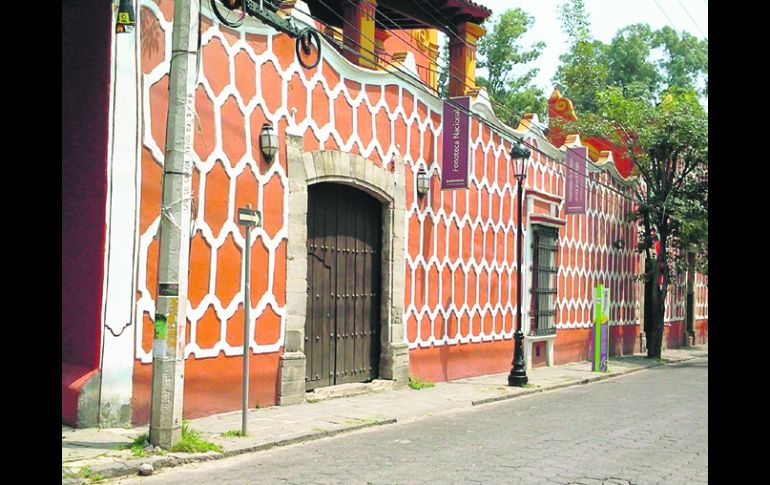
460 265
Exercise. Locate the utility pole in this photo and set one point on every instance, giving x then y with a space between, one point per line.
173 260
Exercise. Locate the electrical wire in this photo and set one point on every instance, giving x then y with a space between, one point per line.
497 106
666 15
693 20
410 78
453 103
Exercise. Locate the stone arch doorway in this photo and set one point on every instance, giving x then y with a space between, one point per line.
306 169
342 323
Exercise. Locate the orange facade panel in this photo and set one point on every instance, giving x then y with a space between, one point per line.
460 263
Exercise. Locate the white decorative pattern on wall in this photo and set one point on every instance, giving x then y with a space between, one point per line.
588 257
460 264
701 296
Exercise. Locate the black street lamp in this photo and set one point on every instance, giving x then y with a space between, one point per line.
518 375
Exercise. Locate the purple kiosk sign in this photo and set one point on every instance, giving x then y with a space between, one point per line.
575 199
454 162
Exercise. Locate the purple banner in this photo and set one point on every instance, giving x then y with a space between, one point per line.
454 163
575 198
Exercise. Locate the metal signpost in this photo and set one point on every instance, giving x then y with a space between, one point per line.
248 218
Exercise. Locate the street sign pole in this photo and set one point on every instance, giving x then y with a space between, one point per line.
249 218
246 333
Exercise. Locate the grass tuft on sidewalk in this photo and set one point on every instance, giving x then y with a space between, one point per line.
138 445
193 442
417 384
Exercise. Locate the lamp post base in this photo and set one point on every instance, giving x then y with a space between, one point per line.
517 380
518 375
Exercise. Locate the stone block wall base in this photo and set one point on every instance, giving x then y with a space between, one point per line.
394 364
292 378
88 402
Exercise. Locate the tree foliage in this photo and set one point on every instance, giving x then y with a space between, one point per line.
583 70
668 143
636 58
641 92
500 53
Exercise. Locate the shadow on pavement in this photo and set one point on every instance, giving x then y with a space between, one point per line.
691 363
112 445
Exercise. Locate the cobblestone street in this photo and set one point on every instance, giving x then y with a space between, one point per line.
647 428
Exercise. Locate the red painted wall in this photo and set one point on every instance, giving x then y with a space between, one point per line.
576 345
212 386
572 346
701 332
674 334
85 109
450 362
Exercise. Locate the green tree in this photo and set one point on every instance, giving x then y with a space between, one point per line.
685 61
636 58
500 52
629 60
583 69
668 143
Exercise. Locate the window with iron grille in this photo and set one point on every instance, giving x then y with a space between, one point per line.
544 272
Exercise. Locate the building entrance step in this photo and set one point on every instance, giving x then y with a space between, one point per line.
346 390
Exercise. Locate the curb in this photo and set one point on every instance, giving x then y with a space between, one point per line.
131 467
581 382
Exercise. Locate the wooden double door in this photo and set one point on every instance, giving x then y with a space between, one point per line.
342 326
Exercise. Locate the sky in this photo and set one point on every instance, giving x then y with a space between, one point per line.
607 17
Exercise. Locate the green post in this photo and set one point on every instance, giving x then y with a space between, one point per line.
598 293
601 328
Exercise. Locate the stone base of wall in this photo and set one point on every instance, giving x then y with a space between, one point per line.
394 364
292 378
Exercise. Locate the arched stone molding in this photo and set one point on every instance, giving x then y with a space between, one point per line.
387 187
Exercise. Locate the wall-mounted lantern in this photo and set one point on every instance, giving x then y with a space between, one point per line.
520 156
268 142
423 182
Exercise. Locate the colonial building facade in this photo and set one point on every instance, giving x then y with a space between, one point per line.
354 275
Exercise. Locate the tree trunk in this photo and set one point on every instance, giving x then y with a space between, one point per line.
648 284
689 333
658 297
657 313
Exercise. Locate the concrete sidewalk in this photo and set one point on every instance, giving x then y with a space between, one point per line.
91 454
